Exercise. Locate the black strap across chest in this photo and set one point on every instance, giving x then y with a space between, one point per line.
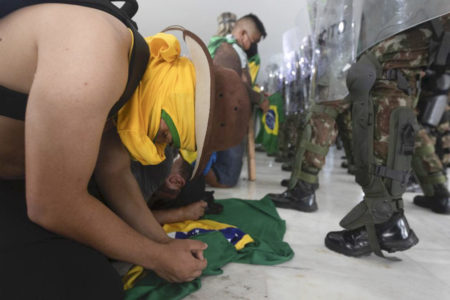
13 104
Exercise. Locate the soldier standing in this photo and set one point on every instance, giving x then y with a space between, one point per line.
383 86
335 30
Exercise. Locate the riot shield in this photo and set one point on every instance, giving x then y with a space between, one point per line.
273 82
335 30
295 68
382 19
302 75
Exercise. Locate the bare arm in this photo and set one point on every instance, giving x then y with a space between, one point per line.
75 84
119 186
227 57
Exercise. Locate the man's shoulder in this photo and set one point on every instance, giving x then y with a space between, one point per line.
218 41
227 56
227 47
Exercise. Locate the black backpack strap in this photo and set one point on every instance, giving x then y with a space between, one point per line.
130 7
138 64
13 104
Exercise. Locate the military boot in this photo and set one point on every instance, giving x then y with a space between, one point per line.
351 169
413 186
285 182
302 197
393 235
439 202
281 159
344 164
287 166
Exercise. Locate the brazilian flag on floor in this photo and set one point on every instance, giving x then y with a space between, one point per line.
254 236
271 124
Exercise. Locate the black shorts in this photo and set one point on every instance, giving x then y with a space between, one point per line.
38 264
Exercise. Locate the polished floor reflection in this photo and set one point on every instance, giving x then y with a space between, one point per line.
317 273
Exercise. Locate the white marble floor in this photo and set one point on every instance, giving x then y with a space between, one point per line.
318 273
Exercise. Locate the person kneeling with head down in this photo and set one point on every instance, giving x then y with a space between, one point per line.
84 119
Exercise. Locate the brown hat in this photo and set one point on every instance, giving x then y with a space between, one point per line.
222 104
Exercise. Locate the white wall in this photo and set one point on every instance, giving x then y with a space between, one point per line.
199 16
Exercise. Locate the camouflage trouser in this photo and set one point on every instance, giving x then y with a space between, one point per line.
386 97
431 155
408 53
344 123
316 138
426 163
287 137
444 135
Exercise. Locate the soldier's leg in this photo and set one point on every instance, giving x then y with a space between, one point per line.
291 136
430 173
313 144
384 127
282 142
285 140
429 147
443 143
293 130
344 122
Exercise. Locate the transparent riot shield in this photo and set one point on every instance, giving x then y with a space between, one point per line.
273 82
298 78
335 29
382 19
292 84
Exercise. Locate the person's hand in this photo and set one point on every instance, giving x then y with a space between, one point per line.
264 105
181 260
195 210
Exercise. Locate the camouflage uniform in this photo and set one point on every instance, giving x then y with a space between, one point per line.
383 86
432 150
444 137
324 130
407 52
317 132
440 135
378 222
426 163
344 123
288 137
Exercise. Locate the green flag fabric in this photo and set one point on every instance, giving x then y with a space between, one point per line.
271 124
216 41
258 218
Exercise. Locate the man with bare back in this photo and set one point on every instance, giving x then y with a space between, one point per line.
68 76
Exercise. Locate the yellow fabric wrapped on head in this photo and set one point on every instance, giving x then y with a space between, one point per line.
168 88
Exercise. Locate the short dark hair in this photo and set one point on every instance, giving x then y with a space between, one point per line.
259 25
